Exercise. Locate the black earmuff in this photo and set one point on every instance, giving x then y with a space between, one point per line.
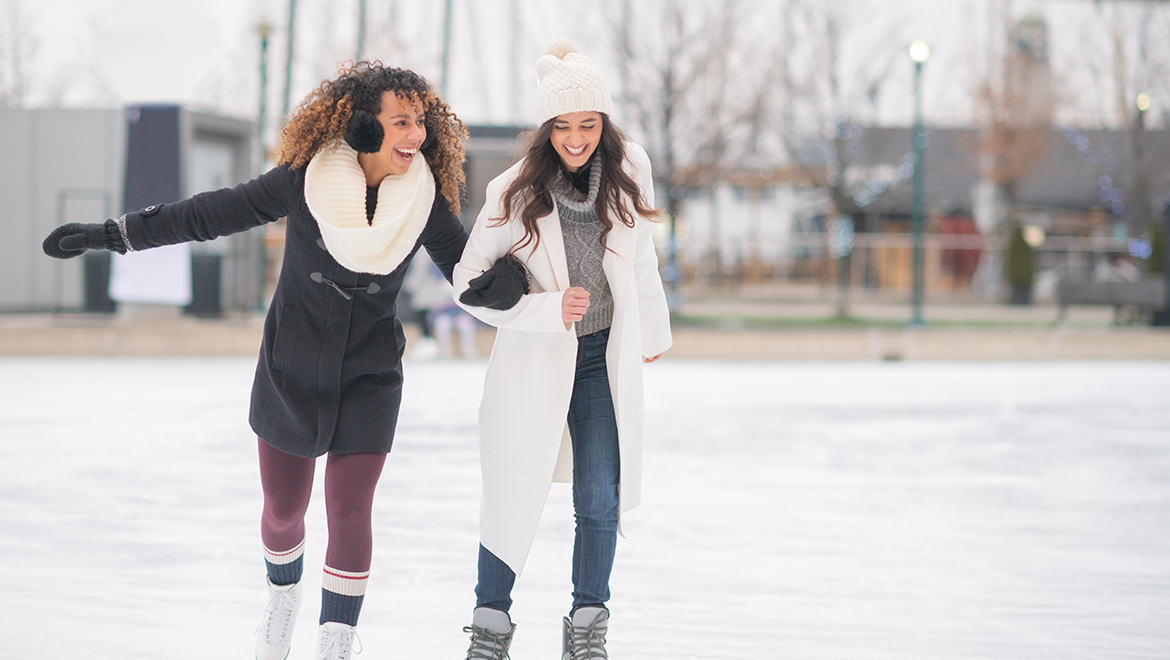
364 133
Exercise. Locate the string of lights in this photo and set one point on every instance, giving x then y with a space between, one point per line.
873 187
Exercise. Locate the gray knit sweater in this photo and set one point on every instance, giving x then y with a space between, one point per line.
583 248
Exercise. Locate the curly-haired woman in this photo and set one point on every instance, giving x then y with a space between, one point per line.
562 399
370 169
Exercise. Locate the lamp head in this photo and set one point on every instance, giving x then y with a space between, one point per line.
1143 101
919 51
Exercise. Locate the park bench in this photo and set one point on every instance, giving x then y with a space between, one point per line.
1144 296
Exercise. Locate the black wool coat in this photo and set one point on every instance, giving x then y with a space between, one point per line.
329 376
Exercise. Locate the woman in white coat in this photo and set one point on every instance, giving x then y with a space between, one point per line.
561 261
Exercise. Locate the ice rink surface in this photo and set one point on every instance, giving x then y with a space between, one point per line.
791 510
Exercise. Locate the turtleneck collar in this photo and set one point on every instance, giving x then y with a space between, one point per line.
578 190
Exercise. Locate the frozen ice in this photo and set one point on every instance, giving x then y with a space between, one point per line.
916 510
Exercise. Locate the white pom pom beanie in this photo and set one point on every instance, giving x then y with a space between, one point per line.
567 81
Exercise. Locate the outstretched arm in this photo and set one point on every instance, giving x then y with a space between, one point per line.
203 217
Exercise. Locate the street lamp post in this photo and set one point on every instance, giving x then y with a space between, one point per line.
265 31
361 35
919 52
288 59
1162 318
444 84
672 271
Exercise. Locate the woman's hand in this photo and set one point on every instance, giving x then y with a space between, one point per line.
573 304
649 360
68 241
500 287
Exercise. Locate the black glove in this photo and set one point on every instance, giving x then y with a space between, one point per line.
75 238
500 287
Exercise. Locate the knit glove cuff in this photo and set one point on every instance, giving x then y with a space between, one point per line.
500 287
75 238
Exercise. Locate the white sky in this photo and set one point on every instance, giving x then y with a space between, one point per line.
205 52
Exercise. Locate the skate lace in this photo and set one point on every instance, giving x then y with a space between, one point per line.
336 644
488 645
278 616
587 643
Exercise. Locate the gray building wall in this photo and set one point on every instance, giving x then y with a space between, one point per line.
217 153
56 166
59 166
490 151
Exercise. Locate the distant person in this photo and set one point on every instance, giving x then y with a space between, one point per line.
449 319
370 170
561 261
439 316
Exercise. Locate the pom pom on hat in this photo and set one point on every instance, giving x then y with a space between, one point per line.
559 47
567 81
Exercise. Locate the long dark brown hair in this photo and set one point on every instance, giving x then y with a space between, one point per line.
531 191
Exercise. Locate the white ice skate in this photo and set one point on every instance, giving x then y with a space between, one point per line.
335 641
274 635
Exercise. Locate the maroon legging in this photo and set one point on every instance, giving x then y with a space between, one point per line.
350 480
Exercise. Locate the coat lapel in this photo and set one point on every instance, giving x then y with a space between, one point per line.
617 259
620 240
553 244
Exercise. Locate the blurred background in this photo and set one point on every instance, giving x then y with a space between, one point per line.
849 163
918 246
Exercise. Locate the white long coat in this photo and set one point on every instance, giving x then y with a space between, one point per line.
524 438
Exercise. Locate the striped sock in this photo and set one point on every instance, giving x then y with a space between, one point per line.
285 567
342 593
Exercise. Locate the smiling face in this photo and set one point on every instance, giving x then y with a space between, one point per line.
404 127
575 137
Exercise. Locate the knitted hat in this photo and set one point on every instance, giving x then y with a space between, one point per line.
567 81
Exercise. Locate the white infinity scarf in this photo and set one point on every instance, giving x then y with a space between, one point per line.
335 191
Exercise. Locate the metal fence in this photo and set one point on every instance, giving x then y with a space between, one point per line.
955 266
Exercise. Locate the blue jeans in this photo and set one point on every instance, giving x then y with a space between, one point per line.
596 475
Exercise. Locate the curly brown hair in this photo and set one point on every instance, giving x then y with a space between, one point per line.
323 116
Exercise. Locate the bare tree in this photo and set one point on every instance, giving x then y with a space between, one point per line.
1140 71
683 81
18 45
832 76
1122 64
1018 105
830 99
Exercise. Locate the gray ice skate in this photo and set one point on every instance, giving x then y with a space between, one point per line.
583 636
491 634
